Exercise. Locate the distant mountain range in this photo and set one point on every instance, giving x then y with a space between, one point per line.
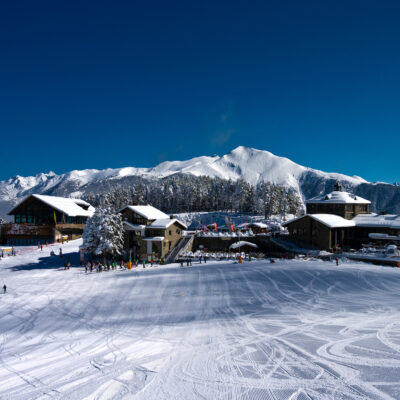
245 163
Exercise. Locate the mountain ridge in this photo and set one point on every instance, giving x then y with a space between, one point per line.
249 164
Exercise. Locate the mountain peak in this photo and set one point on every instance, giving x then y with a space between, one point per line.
247 163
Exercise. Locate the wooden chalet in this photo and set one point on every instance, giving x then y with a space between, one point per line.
341 220
41 219
149 233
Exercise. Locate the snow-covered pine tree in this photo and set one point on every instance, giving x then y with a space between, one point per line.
103 233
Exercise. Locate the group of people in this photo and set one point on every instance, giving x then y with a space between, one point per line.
189 260
96 266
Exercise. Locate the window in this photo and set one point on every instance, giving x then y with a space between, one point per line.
170 233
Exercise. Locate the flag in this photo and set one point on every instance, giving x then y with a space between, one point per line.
55 218
215 226
232 228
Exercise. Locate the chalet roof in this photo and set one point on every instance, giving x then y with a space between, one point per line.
338 198
164 223
149 212
329 220
133 227
377 221
68 206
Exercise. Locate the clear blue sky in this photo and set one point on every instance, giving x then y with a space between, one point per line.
95 84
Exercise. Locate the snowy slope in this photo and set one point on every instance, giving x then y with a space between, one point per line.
290 330
245 163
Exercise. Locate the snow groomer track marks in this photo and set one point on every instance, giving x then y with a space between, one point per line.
289 330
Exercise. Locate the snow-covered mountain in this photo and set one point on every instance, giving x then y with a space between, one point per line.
245 163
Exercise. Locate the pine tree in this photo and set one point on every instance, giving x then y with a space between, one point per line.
103 233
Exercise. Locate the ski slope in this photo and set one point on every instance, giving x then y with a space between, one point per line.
289 330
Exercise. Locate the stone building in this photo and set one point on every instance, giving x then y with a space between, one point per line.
341 220
340 203
323 231
149 233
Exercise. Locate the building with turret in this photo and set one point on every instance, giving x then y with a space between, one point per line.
341 220
339 203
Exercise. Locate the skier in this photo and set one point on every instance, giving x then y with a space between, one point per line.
151 262
187 261
181 262
4 288
144 263
337 261
41 247
61 253
205 259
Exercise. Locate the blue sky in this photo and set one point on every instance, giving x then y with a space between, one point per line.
111 84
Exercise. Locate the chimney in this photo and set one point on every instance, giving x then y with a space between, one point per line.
337 187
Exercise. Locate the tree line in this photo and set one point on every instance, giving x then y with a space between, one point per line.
188 193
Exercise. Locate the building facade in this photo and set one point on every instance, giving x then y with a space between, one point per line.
149 233
341 220
41 219
339 203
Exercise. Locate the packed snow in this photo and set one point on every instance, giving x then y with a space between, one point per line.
299 329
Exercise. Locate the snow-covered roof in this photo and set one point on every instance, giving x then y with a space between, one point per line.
164 223
260 225
241 244
329 220
148 212
378 221
133 227
338 197
68 206
154 239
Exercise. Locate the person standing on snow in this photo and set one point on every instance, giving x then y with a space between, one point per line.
60 252
4 288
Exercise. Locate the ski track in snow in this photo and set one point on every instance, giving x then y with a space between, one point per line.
290 330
